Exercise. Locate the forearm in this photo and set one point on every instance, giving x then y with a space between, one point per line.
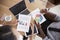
50 16
41 33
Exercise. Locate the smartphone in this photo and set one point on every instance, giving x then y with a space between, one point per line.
27 34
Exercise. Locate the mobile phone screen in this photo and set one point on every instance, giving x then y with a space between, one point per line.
30 31
18 7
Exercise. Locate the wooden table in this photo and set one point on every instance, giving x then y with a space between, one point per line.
38 4
4 9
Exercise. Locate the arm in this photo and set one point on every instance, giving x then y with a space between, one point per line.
44 37
50 15
41 34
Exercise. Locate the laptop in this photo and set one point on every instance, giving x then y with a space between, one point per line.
25 12
16 9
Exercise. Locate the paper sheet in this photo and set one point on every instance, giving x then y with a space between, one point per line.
37 16
24 23
20 37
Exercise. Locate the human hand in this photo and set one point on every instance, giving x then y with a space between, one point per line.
41 34
37 24
32 25
10 23
44 11
14 22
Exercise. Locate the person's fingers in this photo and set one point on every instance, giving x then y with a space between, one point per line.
36 23
43 11
31 24
39 25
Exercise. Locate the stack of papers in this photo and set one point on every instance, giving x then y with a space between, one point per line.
24 23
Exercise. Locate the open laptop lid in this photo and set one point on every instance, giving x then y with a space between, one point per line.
18 8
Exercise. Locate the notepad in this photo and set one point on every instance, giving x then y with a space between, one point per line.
24 23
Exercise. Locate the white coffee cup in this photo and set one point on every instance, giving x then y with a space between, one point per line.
8 18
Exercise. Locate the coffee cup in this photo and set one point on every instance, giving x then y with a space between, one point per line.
8 18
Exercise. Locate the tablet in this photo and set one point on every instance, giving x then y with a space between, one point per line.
27 34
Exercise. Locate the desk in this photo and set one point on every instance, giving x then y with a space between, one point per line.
38 4
4 9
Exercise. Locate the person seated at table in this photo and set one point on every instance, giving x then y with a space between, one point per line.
53 30
6 33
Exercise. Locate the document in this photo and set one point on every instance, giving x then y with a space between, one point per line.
24 23
38 16
37 38
20 37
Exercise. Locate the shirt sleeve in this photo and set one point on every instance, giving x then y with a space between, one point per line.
57 18
46 38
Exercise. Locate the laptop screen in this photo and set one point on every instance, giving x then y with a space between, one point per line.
18 8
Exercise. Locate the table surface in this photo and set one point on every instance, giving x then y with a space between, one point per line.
4 9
